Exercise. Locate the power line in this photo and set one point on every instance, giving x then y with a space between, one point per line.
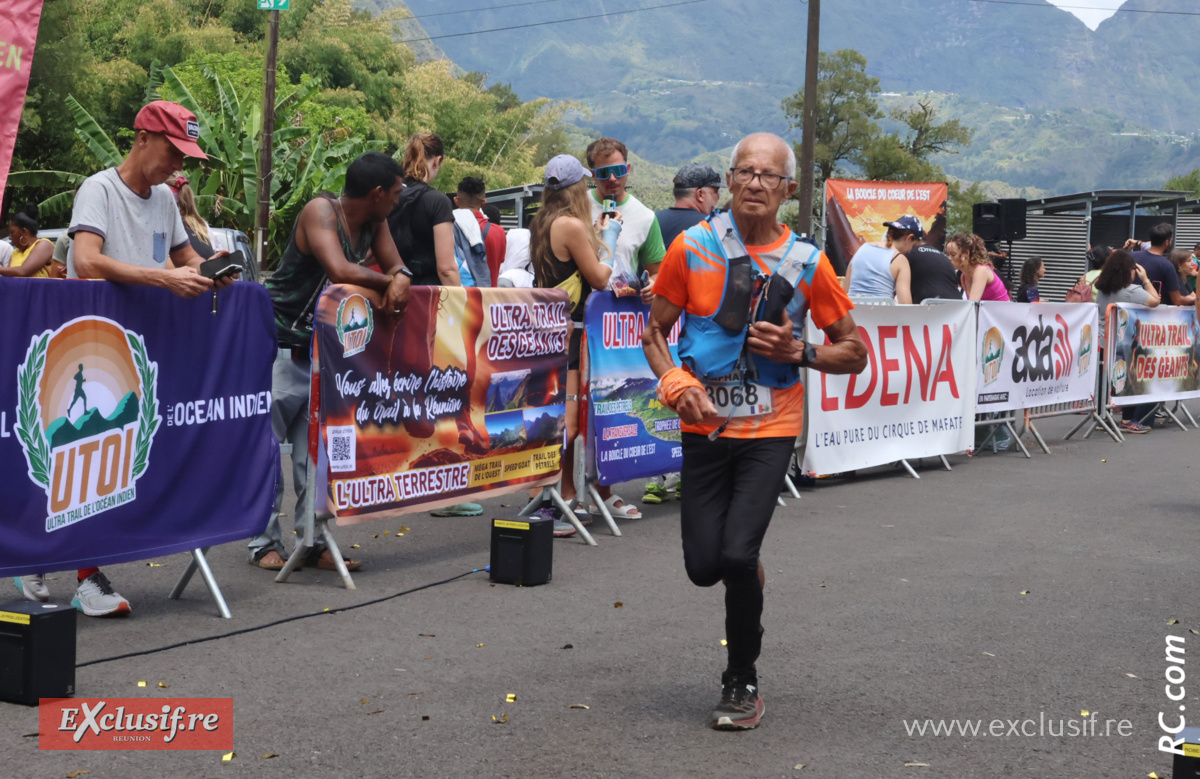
1091 8
555 21
484 8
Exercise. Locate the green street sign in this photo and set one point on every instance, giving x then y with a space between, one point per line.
272 5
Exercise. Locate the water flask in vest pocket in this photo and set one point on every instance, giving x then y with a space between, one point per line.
739 294
773 301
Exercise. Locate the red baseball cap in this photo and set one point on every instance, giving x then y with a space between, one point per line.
175 122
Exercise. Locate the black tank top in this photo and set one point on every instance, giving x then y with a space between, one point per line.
551 272
300 279
933 275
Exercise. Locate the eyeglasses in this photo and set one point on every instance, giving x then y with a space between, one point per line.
611 171
769 181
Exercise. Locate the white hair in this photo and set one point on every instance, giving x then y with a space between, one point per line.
789 168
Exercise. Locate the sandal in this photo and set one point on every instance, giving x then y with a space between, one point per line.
628 511
320 558
270 560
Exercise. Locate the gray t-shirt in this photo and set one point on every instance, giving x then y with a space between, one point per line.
136 230
1134 293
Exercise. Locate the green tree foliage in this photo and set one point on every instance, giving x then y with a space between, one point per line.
847 112
371 93
1188 182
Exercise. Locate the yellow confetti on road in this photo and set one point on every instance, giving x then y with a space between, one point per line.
268 756
156 565
798 766
1172 622
579 706
364 700
141 684
1131 676
164 686
387 532
916 765
989 654
724 642
618 605
501 719
510 698
355 546
1024 592
228 757
479 646
405 527
73 774
1084 713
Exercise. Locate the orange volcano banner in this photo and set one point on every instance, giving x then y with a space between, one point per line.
855 212
465 394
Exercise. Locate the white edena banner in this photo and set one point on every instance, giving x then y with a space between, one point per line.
915 398
1035 354
1153 354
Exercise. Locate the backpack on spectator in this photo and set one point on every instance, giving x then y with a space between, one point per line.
1080 293
472 258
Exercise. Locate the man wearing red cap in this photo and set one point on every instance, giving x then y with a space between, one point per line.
127 228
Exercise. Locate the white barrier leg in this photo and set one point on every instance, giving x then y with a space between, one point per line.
1017 439
910 470
200 562
303 544
1037 436
945 462
791 486
1180 407
552 495
338 562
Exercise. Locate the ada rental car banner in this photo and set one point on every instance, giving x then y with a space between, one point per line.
133 423
636 437
1152 353
1035 354
465 394
915 398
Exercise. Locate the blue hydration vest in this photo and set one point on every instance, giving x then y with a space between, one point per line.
715 346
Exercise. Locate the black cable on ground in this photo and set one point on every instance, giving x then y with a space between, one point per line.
285 620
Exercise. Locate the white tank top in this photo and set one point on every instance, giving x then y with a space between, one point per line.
871 272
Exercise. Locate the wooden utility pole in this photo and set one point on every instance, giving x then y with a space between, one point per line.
809 128
262 218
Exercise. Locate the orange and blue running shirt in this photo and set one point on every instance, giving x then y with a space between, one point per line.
692 276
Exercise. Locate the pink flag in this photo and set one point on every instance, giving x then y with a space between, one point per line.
18 34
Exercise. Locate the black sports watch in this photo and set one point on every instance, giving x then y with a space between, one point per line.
405 271
809 356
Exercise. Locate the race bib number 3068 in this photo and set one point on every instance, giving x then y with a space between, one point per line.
744 399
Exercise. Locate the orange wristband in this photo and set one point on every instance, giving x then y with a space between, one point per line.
673 384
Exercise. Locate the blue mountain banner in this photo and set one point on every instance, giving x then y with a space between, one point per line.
133 423
634 436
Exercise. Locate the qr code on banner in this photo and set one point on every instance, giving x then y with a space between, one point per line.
342 445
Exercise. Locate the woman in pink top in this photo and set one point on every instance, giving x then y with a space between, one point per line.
979 279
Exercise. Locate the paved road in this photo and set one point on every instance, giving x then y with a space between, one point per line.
888 599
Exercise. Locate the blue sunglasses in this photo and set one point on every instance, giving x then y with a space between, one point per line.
611 171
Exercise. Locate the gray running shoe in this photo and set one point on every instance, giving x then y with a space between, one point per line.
32 587
96 597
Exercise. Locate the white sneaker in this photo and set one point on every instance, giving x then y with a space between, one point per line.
96 597
32 587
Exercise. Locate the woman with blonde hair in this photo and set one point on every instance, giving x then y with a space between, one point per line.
567 252
197 229
422 222
979 278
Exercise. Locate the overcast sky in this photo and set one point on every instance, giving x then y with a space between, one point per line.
1091 12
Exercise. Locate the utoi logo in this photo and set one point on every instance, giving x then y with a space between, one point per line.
355 323
136 723
87 416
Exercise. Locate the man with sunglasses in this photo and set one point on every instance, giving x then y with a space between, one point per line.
739 428
640 246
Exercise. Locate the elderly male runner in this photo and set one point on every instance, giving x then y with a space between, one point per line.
738 393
